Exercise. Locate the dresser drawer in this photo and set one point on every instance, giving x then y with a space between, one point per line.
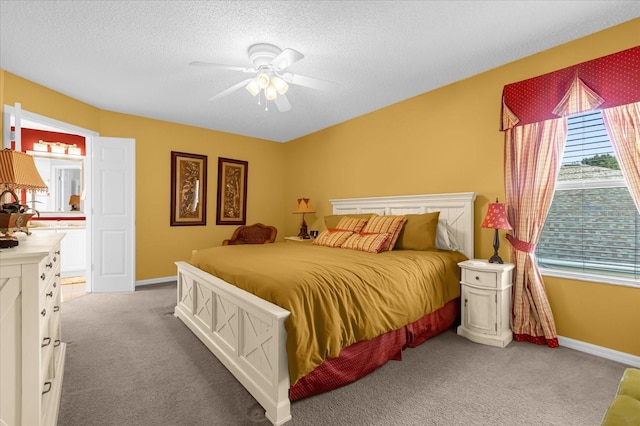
49 267
477 278
49 303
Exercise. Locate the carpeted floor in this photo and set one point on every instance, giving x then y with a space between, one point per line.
131 362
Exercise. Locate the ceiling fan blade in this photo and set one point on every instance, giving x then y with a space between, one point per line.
222 66
285 59
311 82
282 103
230 89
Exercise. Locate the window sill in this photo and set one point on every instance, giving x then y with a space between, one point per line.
624 282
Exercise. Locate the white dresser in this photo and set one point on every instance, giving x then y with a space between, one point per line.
31 350
486 302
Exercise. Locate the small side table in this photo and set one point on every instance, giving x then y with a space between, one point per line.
298 239
486 302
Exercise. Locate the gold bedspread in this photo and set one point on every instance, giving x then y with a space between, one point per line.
336 296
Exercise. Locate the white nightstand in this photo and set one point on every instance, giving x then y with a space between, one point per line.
298 239
486 302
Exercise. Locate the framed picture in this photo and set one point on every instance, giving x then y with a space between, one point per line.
232 192
188 189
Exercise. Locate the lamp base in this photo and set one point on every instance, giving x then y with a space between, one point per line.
303 230
496 245
8 242
303 233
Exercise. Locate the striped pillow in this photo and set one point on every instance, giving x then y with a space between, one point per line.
354 224
332 238
391 225
371 243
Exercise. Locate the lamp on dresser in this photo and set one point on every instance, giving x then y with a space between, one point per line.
17 171
496 218
303 207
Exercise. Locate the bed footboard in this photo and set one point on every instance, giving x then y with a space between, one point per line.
244 332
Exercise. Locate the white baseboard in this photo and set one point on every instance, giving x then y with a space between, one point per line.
156 280
621 357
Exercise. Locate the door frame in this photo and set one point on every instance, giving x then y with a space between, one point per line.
19 116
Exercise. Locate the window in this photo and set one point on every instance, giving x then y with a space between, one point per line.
592 231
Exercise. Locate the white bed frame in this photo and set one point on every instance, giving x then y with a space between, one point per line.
247 334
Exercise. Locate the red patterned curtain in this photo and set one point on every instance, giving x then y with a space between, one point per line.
533 154
533 118
623 126
614 78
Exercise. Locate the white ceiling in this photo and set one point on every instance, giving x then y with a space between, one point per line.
133 56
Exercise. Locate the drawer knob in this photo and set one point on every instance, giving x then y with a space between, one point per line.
43 312
49 265
43 276
56 308
57 251
46 342
55 284
50 294
477 278
55 259
58 275
47 386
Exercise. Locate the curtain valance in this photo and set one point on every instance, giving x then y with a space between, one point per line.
605 82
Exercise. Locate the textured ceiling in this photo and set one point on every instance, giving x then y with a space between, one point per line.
133 56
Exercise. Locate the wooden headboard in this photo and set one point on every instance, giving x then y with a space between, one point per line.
457 208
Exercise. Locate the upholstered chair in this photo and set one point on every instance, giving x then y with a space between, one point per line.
252 234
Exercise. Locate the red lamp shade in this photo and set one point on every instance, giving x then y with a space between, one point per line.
496 217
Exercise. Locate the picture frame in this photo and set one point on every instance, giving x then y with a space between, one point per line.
232 192
188 189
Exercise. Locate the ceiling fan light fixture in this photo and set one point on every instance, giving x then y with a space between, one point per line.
253 88
263 80
270 93
280 85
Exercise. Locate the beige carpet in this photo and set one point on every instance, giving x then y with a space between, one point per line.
131 362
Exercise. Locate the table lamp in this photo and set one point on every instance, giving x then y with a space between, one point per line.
496 218
302 208
17 171
74 202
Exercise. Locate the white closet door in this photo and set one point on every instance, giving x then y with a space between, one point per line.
114 200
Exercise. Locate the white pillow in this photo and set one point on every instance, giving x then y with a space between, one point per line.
445 236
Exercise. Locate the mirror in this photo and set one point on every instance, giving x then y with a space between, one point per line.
64 176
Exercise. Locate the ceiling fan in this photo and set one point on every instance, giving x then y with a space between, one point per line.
270 80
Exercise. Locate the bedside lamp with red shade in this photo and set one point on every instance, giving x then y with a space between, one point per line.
496 218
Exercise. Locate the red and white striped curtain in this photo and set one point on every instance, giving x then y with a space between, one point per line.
533 154
534 144
623 125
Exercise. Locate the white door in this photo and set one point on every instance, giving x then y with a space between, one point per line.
113 215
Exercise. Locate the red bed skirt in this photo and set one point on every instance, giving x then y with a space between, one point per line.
362 358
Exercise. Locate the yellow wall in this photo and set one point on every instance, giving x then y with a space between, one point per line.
159 245
442 141
447 140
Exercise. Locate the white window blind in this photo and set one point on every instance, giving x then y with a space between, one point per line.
593 227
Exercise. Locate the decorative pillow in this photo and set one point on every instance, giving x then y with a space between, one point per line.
354 224
419 232
332 238
445 236
371 243
391 225
331 221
